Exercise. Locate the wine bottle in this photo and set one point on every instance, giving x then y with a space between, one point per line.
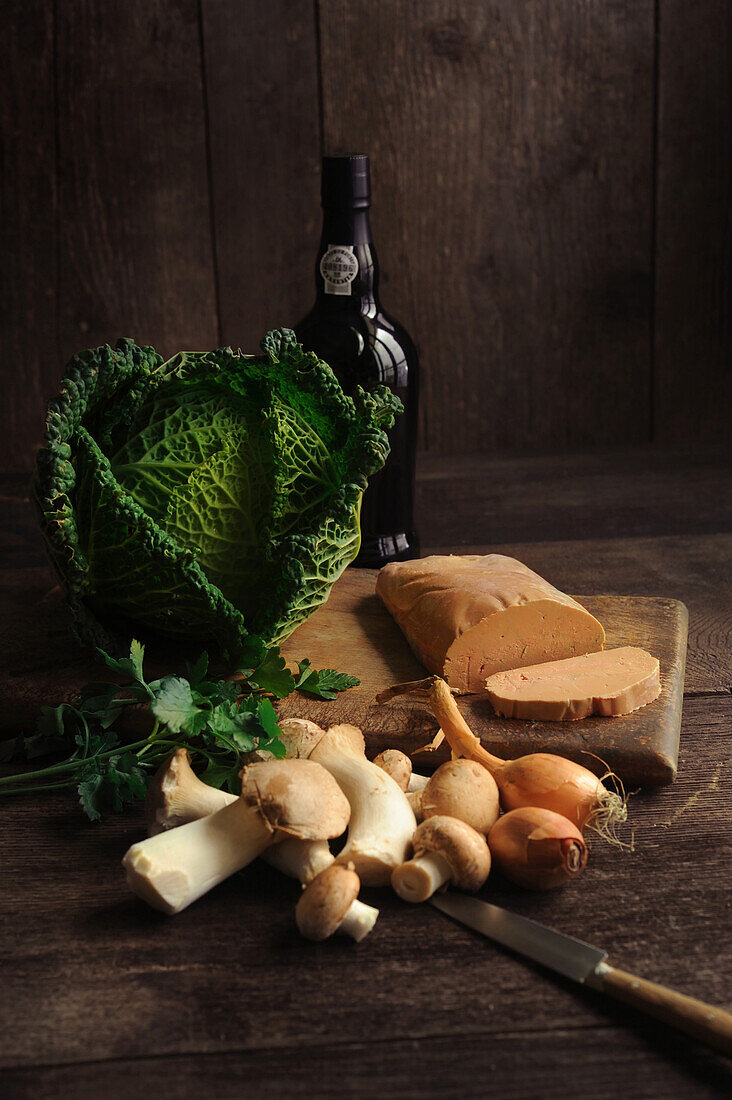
365 347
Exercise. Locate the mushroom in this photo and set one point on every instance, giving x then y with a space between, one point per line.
398 765
295 797
446 850
176 795
382 821
330 904
300 859
464 789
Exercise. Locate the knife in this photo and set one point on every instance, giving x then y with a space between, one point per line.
586 964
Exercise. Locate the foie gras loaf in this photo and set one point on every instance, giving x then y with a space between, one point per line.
614 682
468 616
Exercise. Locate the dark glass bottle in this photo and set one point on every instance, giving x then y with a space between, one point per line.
365 347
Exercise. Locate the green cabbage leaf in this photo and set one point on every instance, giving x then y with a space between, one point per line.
207 497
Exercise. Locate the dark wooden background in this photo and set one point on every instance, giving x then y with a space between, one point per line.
551 197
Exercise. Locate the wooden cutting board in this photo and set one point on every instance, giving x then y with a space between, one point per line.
354 633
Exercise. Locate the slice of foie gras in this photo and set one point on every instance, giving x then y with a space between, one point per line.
614 682
467 616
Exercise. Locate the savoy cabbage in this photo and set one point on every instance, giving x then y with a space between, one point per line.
207 497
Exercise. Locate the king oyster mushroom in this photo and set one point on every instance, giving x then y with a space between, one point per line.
295 797
176 796
382 821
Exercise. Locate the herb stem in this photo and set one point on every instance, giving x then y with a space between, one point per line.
70 765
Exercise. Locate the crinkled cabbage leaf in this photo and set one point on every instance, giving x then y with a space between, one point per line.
206 497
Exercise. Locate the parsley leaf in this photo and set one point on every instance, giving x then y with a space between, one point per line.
250 653
89 796
128 666
197 671
175 706
323 684
273 675
233 725
218 721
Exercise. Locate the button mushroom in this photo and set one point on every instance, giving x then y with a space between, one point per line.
330 904
295 797
463 789
445 851
398 765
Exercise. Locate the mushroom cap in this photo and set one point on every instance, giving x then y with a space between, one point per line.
176 795
296 797
325 902
165 779
348 738
396 764
464 789
300 736
463 849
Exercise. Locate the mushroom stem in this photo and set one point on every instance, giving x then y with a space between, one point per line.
418 879
291 797
300 859
174 868
414 798
382 822
359 920
176 796
417 782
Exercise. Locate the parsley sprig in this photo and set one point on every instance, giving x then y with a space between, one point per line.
218 721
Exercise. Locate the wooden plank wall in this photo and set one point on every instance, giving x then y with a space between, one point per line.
551 198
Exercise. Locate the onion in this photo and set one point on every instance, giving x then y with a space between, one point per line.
540 779
537 848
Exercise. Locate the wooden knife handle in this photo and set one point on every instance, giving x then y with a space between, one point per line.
710 1025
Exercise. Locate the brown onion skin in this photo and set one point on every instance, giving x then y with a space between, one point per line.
537 848
540 779
552 783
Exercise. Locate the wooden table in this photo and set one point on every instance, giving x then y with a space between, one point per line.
101 997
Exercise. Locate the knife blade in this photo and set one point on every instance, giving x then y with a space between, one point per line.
570 957
586 964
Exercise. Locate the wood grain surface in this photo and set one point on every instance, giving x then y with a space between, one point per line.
265 161
29 275
550 186
693 337
354 632
91 976
134 239
512 240
102 997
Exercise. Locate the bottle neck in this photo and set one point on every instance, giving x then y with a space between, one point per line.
346 270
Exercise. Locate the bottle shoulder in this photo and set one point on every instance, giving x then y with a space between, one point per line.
363 348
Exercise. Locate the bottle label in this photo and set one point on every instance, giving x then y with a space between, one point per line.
339 267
